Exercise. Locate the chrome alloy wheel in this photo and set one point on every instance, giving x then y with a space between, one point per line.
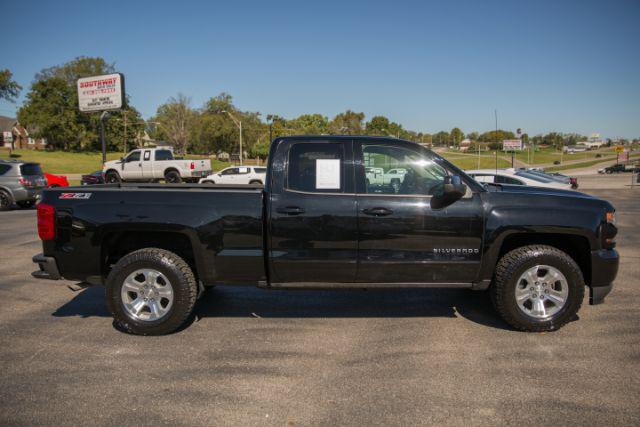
147 295
541 291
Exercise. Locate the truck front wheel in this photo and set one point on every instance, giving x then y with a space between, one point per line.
112 177
537 288
151 292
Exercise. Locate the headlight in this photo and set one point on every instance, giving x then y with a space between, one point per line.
611 218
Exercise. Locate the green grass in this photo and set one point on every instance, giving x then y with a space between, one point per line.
62 162
470 162
584 164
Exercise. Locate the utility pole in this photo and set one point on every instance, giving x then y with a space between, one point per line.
103 117
125 131
239 124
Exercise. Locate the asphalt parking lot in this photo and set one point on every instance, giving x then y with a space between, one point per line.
315 358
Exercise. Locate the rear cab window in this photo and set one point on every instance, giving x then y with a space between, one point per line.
164 155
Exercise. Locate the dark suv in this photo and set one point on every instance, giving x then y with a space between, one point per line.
20 183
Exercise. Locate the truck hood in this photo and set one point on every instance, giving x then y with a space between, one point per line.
530 192
111 164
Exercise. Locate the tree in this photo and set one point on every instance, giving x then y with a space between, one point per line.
310 124
496 136
347 123
51 111
456 136
441 138
174 120
473 136
9 89
82 66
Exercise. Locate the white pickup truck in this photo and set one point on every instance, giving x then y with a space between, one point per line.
154 164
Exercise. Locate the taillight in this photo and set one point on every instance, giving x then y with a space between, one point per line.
26 182
46 221
193 165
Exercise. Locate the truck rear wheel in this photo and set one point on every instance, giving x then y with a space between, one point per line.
173 177
151 292
537 288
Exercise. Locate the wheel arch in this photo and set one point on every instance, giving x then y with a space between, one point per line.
7 191
170 169
577 246
118 243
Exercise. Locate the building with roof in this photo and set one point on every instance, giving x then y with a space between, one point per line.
14 136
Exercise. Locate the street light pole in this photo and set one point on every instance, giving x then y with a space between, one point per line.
239 124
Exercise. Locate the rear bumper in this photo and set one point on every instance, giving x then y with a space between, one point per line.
200 174
604 268
48 268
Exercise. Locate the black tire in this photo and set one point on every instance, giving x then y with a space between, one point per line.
26 204
509 270
183 283
5 201
112 177
256 181
172 177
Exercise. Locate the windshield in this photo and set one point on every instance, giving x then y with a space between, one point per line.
30 169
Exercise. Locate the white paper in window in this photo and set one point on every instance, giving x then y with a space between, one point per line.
327 174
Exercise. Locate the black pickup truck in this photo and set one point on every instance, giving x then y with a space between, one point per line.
335 212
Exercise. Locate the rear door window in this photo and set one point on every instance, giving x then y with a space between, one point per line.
30 169
316 167
4 169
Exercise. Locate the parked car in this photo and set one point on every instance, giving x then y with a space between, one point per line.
154 164
516 177
618 168
92 178
20 183
56 180
316 224
237 175
554 176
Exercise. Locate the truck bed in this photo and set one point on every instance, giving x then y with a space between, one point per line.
221 223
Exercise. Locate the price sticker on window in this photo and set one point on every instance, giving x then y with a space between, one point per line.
327 174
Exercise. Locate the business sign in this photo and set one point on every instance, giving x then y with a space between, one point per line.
619 149
99 93
512 145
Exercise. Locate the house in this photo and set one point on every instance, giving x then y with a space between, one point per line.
15 137
465 144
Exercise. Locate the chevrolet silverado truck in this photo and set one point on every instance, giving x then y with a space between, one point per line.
154 164
316 224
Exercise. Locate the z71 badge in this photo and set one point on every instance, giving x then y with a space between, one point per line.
75 196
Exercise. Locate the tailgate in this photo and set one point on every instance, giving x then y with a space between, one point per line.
200 165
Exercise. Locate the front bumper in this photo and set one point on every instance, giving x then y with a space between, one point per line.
48 268
604 268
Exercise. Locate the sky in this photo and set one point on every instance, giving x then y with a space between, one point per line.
568 66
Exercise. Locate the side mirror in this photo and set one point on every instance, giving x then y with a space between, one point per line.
454 187
452 190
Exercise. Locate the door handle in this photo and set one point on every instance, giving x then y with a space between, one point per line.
377 211
290 210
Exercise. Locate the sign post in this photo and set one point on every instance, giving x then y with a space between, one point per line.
512 145
101 94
